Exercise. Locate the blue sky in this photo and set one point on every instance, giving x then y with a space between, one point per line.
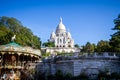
87 20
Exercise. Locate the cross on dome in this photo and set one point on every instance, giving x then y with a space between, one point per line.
60 19
60 27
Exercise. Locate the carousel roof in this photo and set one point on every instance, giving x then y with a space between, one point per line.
14 47
12 44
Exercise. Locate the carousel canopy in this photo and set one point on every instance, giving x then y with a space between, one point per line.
14 47
12 44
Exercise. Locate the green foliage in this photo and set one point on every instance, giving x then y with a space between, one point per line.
83 76
105 76
48 44
115 75
90 48
59 75
103 46
44 55
117 23
68 76
115 38
5 35
76 45
24 36
65 53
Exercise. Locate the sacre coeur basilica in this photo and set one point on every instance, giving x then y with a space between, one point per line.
62 39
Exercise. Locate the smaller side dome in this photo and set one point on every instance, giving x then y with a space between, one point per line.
69 35
52 35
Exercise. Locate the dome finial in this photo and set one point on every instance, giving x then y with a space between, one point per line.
60 19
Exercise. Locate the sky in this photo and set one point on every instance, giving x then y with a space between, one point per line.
86 20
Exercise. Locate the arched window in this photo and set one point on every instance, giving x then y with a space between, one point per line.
60 40
64 40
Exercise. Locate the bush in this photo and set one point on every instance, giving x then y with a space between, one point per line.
59 75
83 76
115 75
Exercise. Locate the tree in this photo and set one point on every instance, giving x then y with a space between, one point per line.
48 44
103 46
90 48
76 45
45 54
115 38
24 36
5 35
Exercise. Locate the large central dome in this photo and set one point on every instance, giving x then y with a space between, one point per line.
60 27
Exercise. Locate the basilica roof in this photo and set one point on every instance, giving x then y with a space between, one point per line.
60 26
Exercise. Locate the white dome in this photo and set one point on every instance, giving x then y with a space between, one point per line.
60 27
69 35
52 35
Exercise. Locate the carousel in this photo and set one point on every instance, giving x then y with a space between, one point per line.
14 58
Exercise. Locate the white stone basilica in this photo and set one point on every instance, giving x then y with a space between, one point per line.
62 39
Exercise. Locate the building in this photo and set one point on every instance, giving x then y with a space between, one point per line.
62 39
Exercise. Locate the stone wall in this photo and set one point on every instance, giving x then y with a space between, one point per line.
94 66
88 65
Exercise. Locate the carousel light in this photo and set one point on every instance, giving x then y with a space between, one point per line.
19 54
9 53
31 55
26 54
3 53
12 52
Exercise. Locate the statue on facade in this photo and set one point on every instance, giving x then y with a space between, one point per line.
13 38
